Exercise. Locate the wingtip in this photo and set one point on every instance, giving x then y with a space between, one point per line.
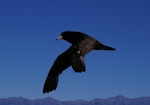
45 92
48 91
50 83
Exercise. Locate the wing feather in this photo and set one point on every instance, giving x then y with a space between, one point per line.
61 63
77 60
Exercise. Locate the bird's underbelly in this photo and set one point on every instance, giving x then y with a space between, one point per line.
84 50
86 46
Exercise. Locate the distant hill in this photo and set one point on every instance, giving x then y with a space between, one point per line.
118 100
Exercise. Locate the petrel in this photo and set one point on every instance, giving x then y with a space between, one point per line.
81 44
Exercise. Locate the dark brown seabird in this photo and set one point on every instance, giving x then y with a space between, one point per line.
81 44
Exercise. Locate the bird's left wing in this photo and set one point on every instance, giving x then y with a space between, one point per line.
61 63
77 60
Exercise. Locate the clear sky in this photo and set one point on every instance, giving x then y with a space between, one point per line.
28 47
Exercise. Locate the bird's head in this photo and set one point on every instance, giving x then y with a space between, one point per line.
71 36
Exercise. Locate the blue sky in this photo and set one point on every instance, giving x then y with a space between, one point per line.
28 48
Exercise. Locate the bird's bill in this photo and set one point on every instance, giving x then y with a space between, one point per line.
59 37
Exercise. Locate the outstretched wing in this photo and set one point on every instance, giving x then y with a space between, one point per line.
77 60
61 63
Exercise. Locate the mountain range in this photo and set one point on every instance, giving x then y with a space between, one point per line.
118 100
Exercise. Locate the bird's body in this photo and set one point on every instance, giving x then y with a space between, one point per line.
73 56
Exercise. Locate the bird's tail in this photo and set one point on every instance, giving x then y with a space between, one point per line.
108 48
100 46
50 83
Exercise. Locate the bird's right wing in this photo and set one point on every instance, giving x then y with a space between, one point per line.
61 63
77 60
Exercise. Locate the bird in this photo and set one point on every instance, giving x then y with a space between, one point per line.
81 44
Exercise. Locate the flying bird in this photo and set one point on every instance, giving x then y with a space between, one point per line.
81 44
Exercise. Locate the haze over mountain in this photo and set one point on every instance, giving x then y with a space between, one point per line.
118 100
